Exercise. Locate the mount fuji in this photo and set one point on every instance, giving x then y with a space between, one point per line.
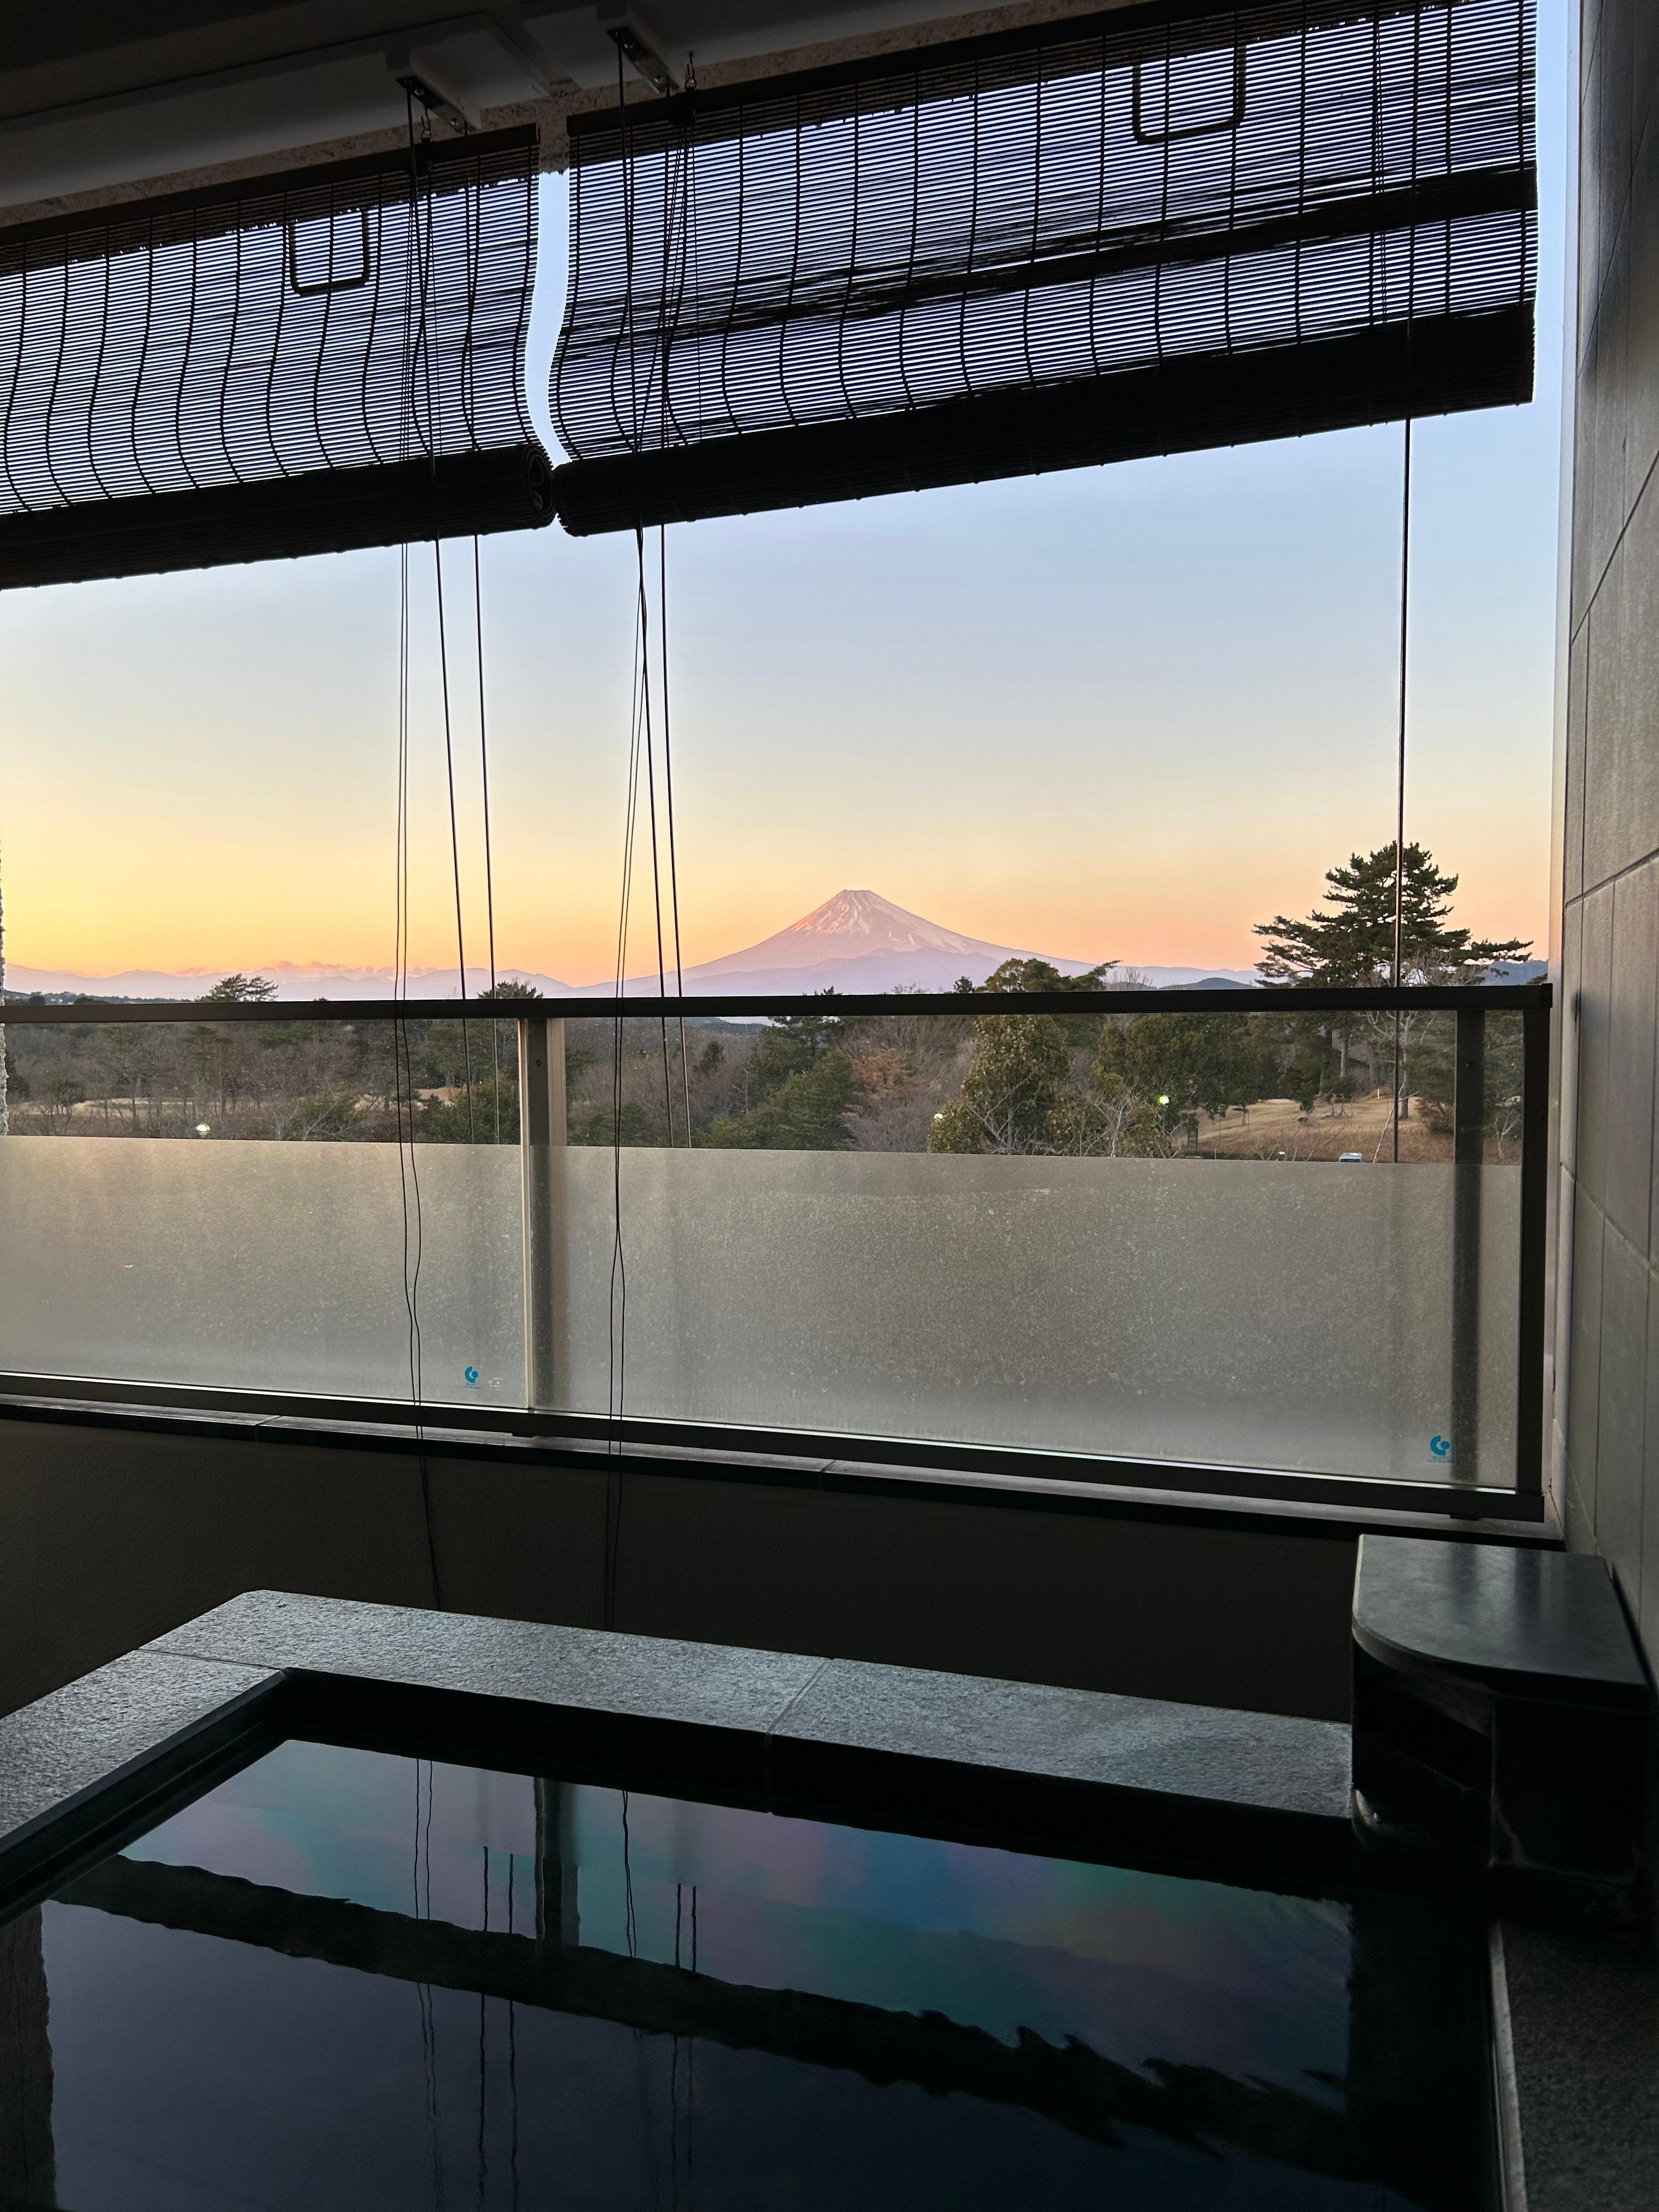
860 941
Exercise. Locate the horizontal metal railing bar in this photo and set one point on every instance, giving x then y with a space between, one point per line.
289 1413
1293 998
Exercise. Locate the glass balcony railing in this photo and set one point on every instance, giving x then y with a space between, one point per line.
1103 1236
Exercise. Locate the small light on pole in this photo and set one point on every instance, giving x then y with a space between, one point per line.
202 1129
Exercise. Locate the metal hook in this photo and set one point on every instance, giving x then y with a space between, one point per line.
330 283
1166 137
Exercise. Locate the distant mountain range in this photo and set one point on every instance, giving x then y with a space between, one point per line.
294 980
855 941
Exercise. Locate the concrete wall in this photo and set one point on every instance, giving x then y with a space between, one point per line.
108 1537
1608 1341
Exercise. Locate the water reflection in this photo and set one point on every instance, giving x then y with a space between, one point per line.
349 1979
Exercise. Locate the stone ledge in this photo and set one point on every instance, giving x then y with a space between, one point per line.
1195 1782
1223 1793
74 1757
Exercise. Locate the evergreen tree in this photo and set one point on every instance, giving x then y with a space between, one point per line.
1035 974
1350 941
1026 1091
491 1117
1354 945
807 1111
239 990
1195 1062
602 1125
1040 976
1020 1072
1102 1116
792 1045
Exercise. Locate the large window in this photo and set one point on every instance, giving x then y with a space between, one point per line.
1119 720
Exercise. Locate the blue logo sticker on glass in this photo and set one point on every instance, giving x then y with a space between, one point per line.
472 1377
1440 1446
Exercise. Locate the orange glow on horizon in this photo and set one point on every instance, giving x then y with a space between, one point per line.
86 916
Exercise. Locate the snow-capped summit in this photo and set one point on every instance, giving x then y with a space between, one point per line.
860 925
855 941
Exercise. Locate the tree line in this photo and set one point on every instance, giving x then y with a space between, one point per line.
1091 1083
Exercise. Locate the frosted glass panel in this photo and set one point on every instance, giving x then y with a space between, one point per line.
1272 1313
261 1265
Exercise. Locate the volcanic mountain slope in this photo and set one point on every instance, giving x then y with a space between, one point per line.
855 941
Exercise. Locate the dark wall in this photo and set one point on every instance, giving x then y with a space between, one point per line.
1607 1336
109 1537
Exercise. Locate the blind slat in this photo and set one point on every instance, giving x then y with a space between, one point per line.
1054 247
230 375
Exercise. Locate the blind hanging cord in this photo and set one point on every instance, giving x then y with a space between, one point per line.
668 793
1405 620
454 830
424 345
617 1385
637 724
617 1311
408 1178
618 1307
676 239
489 877
642 745
651 811
1400 760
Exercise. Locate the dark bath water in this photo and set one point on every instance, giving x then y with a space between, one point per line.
344 1978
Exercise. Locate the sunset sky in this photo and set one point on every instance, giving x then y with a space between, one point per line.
1112 713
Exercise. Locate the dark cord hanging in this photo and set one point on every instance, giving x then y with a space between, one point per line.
454 833
409 1178
668 791
1400 763
641 756
490 871
404 1095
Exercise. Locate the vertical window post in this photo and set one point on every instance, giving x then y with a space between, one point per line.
1468 1156
542 1135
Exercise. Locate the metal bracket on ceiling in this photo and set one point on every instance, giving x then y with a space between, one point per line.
639 47
417 79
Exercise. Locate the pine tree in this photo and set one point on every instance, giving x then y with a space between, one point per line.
1354 945
239 990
